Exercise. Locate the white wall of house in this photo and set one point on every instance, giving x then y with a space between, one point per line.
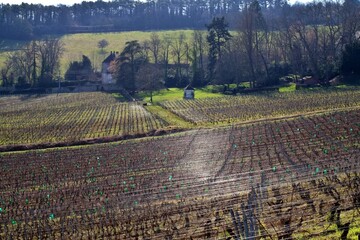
106 76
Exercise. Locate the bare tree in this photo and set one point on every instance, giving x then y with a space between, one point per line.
7 81
252 35
350 20
308 36
50 51
330 35
36 63
22 63
155 46
178 48
164 53
149 78
197 57
146 48
290 46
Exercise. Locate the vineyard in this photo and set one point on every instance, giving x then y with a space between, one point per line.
70 117
286 179
231 109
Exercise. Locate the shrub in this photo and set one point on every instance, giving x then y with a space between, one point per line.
350 65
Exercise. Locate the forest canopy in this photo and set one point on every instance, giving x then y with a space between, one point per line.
25 21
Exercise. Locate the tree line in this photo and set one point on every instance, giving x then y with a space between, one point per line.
320 39
26 21
35 65
117 15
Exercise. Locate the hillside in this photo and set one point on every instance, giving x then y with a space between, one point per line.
80 44
287 179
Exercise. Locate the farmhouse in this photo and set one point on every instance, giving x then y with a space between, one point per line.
106 74
189 92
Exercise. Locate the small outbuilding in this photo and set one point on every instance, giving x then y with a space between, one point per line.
189 92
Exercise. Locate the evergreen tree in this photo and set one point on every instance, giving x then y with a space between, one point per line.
128 63
218 35
79 70
350 65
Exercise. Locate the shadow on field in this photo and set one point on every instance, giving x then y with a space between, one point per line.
24 147
31 96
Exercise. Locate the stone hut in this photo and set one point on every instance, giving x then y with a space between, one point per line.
189 92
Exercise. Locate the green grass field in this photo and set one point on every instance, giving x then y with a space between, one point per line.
290 88
255 106
171 94
77 45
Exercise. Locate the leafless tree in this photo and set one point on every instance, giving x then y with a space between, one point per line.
197 56
22 63
178 48
350 20
252 36
6 75
149 78
155 46
50 51
165 52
